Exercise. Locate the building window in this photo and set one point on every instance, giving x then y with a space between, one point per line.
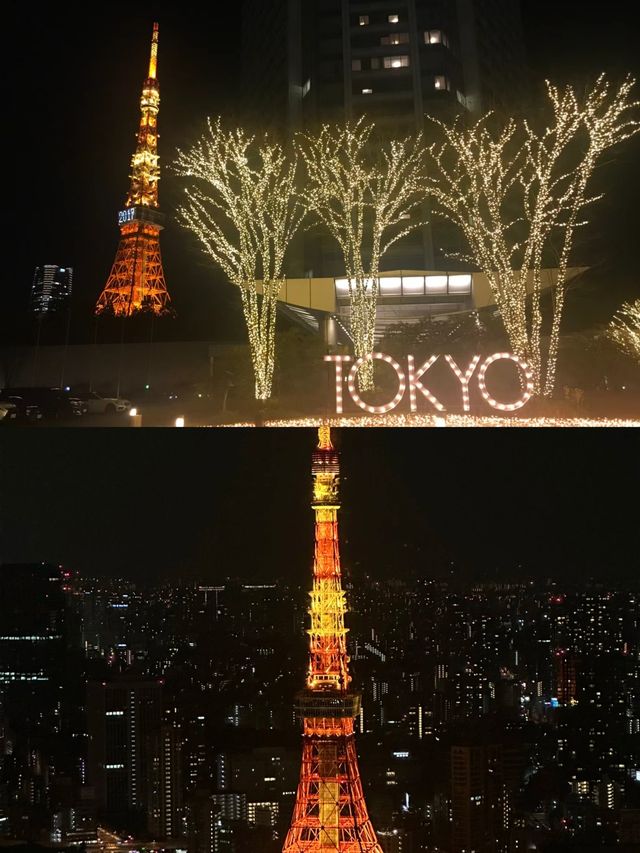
364 20
394 19
367 91
396 62
356 65
375 63
436 37
441 83
395 38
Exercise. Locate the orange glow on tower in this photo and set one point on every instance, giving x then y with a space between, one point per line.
330 813
136 282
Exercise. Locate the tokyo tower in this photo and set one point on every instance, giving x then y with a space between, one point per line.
137 280
330 813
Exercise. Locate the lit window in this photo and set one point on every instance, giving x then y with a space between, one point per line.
391 286
367 91
413 285
393 19
441 82
459 284
436 284
395 38
364 20
396 62
436 37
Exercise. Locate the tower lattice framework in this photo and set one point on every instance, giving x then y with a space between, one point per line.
136 282
330 812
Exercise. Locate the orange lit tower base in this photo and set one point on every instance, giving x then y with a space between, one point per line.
330 813
137 280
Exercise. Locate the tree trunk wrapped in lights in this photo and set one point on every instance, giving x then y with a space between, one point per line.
517 195
624 330
243 206
365 196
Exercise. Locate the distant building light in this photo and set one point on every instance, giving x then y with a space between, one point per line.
367 91
394 19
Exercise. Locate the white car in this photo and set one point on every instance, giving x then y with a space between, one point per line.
99 405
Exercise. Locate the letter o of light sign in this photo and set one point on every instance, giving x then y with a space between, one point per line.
526 370
357 399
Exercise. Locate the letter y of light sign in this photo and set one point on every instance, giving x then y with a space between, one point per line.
464 378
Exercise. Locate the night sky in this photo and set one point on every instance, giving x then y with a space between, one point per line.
206 504
75 88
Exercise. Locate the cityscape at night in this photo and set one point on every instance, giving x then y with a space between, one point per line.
494 650
319 399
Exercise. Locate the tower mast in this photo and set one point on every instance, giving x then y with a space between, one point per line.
137 282
330 813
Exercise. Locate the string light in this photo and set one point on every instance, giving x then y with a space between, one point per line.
243 206
394 421
511 194
624 329
526 371
366 197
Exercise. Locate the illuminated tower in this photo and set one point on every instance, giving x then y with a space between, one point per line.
137 280
330 812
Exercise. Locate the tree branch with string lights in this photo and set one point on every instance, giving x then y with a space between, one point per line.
624 330
519 196
366 195
243 206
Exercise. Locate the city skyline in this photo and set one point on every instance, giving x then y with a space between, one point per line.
557 509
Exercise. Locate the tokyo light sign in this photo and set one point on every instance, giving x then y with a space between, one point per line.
413 380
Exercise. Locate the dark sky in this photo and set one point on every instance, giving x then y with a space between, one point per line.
214 503
74 91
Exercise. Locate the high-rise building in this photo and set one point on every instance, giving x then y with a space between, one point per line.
308 62
124 724
35 626
397 60
51 290
165 801
484 777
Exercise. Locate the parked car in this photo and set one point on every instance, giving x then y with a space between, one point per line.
99 405
26 412
8 413
54 403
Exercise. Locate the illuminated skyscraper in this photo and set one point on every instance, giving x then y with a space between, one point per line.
51 289
124 720
317 60
330 813
137 280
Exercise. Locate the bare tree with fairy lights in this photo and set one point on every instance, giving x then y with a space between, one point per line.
624 330
365 195
243 206
519 195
